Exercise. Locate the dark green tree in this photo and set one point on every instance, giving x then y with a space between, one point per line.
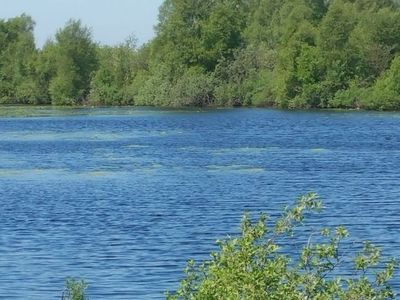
112 82
75 59
18 55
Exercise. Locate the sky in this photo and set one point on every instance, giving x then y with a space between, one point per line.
111 21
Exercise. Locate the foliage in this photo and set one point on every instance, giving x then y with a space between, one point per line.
111 81
193 88
283 53
386 91
353 97
74 62
254 266
74 290
17 59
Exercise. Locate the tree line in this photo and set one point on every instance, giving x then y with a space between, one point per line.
280 53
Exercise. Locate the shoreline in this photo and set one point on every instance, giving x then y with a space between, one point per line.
188 108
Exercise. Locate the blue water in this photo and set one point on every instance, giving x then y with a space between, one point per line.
124 197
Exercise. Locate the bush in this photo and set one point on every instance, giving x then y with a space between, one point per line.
193 88
74 290
156 87
353 97
245 80
103 90
263 94
252 266
386 91
62 90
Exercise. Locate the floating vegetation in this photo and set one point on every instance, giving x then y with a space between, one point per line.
136 146
23 111
319 150
98 173
12 173
30 111
243 150
235 168
67 136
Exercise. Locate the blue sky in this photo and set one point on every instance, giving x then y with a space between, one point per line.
112 21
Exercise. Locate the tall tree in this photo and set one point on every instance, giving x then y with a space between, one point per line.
75 61
17 60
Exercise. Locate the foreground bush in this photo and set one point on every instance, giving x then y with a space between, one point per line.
252 265
74 290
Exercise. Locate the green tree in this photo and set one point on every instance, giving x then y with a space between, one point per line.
385 94
296 30
112 82
75 60
221 32
240 81
18 55
259 29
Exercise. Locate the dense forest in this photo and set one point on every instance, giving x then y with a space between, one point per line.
281 53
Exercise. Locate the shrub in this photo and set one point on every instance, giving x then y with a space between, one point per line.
386 91
353 97
155 88
253 266
193 88
74 290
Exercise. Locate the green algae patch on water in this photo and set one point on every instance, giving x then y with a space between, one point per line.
240 151
26 111
234 169
32 173
43 136
319 150
136 146
149 168
91 136
9 172
98 173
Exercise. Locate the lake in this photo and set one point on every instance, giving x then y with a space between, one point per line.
123 197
